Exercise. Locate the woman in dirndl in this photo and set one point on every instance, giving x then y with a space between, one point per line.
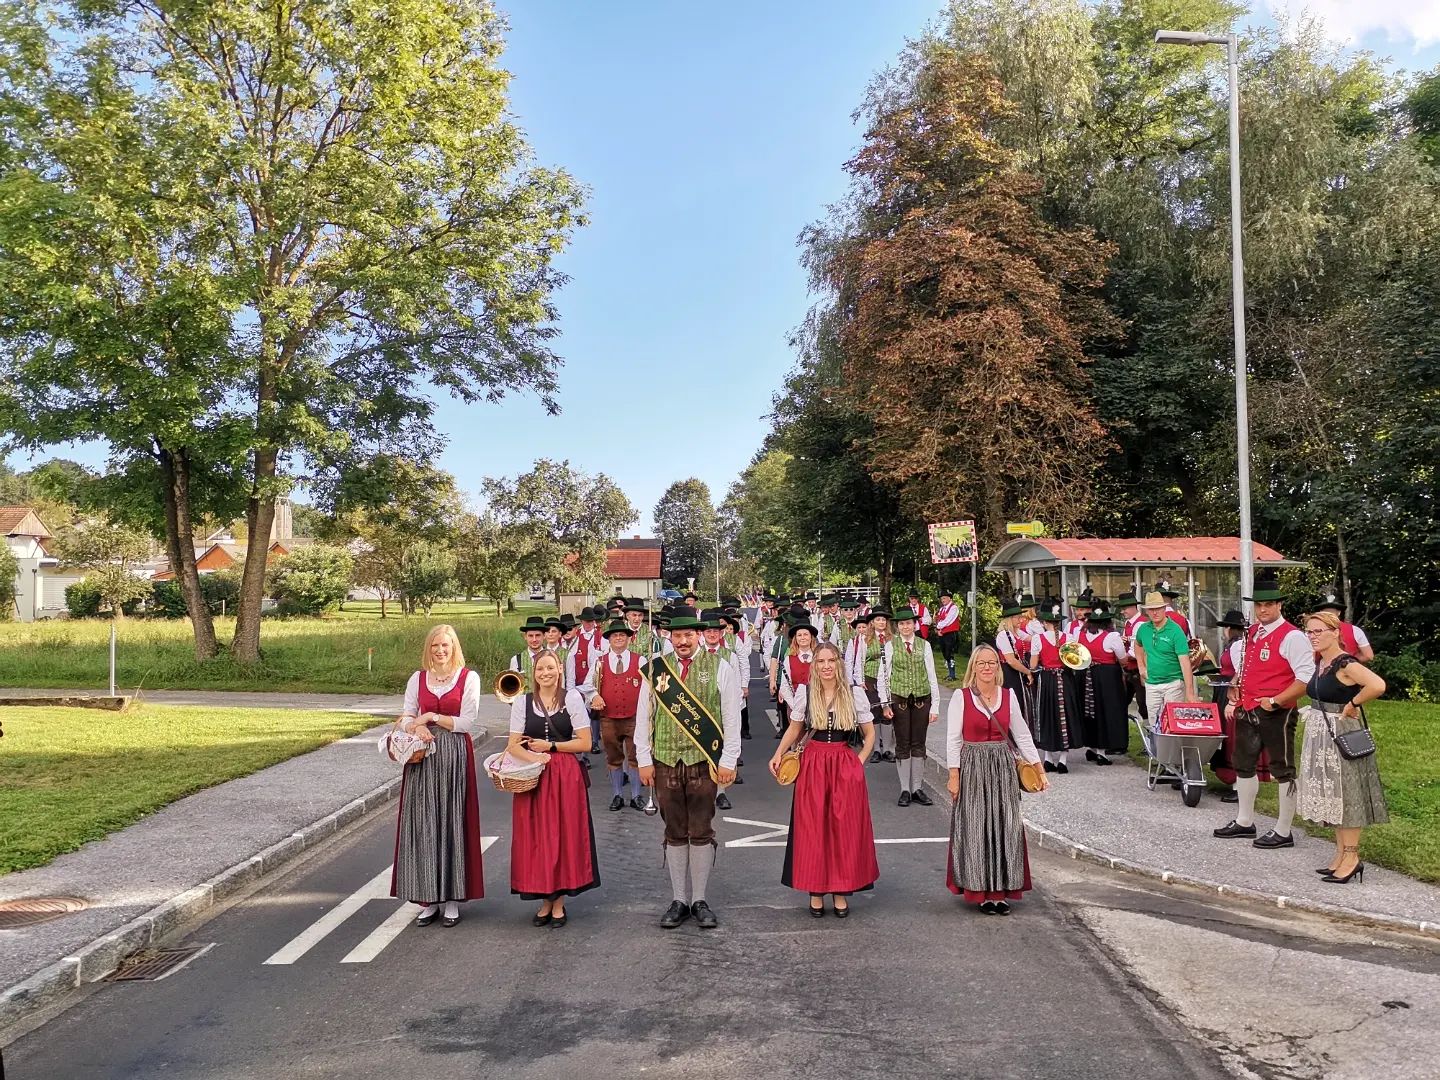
1055 716
437 831
1106 728
552 851
831 845
989 864
1335 790
1013 644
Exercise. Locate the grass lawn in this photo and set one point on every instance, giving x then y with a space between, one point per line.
68 776
357 652
1406 742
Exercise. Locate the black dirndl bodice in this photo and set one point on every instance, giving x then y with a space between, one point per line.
554 727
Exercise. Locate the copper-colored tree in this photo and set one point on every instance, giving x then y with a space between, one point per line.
965 316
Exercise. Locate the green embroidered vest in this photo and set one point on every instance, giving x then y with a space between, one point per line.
669 744
908 677
872 659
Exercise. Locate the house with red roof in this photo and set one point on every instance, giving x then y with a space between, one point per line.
633 569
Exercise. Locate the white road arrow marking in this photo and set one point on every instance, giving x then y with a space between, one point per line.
377 888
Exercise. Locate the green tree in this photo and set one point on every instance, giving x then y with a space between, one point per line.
757 519
304 220
9 580
427 574
311 580
110 552
567 520
685 524
489 557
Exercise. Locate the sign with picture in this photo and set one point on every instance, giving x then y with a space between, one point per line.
953 542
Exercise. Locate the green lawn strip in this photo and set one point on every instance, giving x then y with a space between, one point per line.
68 776
1405 740
298 655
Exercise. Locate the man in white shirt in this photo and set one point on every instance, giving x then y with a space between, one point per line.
947 629
713 642
612 690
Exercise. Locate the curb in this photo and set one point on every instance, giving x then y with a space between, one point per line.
1049 840
103 955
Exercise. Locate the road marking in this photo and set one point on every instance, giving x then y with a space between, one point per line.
377 888
393 926
764 839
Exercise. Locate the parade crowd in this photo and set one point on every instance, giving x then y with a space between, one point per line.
664 696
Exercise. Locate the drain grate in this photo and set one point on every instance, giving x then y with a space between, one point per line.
37 909
154 964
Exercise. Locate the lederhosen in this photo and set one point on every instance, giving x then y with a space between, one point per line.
685 792
1265 673
622 695
912 710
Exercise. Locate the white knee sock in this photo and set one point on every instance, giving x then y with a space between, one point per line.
1286 814
903 768
701 859
1247 787
917 773
678 860
426 911
452 909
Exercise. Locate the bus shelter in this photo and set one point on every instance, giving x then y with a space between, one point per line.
1205 570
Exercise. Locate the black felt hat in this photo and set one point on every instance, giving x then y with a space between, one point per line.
534 622
683 617
1331 602
1233 619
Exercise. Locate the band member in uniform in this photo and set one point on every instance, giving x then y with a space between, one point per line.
739 638
922 615
1079 610
1102 688
642 633
831 844
1222 764
552 852
947 629
793 671
1132 617
989 864
1013 645
679 768
874 670
524 662
1353 640
554 635
713 642
1278 662
1057 717
437 828
613 691
914 703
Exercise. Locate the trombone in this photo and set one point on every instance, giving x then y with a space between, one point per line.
509 685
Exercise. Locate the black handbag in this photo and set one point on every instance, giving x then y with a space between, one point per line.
1353 744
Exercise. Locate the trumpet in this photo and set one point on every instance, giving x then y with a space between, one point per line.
509 685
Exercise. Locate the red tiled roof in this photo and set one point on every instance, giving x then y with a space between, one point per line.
640 564
1160 550
11 517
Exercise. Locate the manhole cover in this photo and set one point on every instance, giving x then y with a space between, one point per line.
155 964
36 909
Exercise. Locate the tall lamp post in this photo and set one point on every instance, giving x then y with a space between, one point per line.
1237 289
713 540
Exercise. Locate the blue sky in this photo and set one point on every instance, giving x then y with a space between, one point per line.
708 136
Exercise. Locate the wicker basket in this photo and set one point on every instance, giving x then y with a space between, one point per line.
512 782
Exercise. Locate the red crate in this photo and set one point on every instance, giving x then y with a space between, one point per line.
1190 718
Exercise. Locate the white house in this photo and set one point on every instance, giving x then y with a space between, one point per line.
39 586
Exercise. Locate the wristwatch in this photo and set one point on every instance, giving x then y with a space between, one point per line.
554 747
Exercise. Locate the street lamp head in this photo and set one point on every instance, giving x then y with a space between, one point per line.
1189 37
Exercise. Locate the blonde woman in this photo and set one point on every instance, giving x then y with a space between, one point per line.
988 863
437 832
831 847
1334 790
552 851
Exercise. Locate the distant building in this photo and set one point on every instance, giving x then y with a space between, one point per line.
633 569
39 585
224 549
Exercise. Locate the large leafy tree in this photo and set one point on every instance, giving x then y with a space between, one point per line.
264 231
758 519
566 519
685 523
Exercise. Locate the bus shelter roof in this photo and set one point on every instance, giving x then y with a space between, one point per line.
1025 553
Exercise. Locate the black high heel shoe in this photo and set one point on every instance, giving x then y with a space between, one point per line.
817 912
1357 875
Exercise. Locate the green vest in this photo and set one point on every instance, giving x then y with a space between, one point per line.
642 639
527 667
668 744
908 677
873 653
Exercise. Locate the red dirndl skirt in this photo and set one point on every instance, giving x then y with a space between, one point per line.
552 851
831 848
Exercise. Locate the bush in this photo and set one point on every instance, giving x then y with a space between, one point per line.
427 574
9 571
82 599
166 601
1406 675
221 590
312 580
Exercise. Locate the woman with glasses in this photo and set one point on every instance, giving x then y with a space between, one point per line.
1341 792
831 847
988 863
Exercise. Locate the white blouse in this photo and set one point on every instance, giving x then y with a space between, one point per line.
799 710
469 700
574 705
955 729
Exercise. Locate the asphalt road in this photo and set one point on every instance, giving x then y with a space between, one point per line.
319 974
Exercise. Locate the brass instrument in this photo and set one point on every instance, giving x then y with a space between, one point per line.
1199 653
510 685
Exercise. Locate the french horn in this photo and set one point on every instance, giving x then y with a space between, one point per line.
509 685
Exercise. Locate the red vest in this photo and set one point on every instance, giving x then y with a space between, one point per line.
449 705
1179 620
799 670
1347 639
1049 654
976 728
1133 623
1227 666
1098 655
1266 672
621 692
1074 628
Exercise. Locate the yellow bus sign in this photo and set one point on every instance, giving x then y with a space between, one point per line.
1025 528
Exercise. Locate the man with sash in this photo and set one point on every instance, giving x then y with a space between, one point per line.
687 740
947 630
713 641
524 661
1352 639
612 690
1276 666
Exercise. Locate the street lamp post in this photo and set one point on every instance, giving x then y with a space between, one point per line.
713 540
1237 289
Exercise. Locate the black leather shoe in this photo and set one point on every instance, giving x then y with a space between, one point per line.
722 802
426 920
987 907
1002 907
739 762
875 757
1272 839
540 920
920 797
904 798
1090 755
449 921
1062 769
617 803
675 914
1049 766
738 779
889 755
637 804
1231 796
1101 759
817 912
704 917
843 912
559 921
1225 832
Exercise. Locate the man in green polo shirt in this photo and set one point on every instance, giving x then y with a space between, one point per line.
1163 653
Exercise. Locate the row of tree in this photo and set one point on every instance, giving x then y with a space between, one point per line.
1025 306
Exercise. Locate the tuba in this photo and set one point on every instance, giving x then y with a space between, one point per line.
509 685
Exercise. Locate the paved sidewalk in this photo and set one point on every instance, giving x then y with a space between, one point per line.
376 704
1107 815
169 867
